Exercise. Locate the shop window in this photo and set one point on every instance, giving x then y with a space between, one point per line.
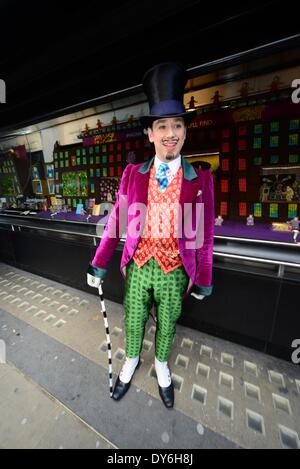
273 210
225 147
225 133
294 158
258 129
224 185
274 141
224 208
257 161
243 130
257 210
225 165
274 127
242 209
292 210
257 142
274 159
294 124
293 140
242 164
242 185
242 145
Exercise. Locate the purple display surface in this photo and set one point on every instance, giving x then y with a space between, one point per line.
261 231
69 216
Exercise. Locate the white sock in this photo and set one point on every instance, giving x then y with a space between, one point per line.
163 373
128 369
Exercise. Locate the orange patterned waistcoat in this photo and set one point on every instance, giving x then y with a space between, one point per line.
159 239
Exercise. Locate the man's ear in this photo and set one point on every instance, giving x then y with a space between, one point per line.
150 134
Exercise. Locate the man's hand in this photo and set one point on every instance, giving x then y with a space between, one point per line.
198 297
93 281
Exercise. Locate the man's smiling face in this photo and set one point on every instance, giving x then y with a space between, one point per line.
168 135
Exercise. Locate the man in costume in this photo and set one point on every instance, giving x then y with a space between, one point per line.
159 264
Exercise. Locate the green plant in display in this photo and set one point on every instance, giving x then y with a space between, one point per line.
75 184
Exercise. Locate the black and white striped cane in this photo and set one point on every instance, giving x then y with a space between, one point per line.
108 342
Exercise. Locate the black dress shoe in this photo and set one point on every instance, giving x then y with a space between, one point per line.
167 395
121 388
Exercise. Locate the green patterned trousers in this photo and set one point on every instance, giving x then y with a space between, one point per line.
142 287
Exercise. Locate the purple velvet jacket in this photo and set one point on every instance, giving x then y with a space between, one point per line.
196 187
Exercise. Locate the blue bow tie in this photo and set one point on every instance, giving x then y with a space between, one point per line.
161 176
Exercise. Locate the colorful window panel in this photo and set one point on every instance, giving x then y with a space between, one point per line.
61 154
97 159
242 145
294 158
258 129
78 161
66 154
257 142
74 203
83 152
257 161
111 147
91 150
98 172
257 210
55 156
243 185
91 172
224 185
91 160
67 164
104 149
104 158
84 160
274 210
119 171
274 141
119 146
92 188
137 144
225 164
225 147
274 159
292 210
224 208
293 140
225 133
69 202
242 164
111 158
112 171
78 152
242 209
97 149
119 157
104 172
243 130
294 124
274 127
62 164
127 145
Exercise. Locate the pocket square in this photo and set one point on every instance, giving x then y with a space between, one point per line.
199 193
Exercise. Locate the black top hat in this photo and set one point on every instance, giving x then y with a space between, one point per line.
164 86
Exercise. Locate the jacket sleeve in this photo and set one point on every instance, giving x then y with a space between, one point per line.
203 279
115 227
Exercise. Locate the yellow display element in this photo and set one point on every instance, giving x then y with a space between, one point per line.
96 210
212 158
280 227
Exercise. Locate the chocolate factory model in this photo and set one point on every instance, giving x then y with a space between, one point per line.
160 264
